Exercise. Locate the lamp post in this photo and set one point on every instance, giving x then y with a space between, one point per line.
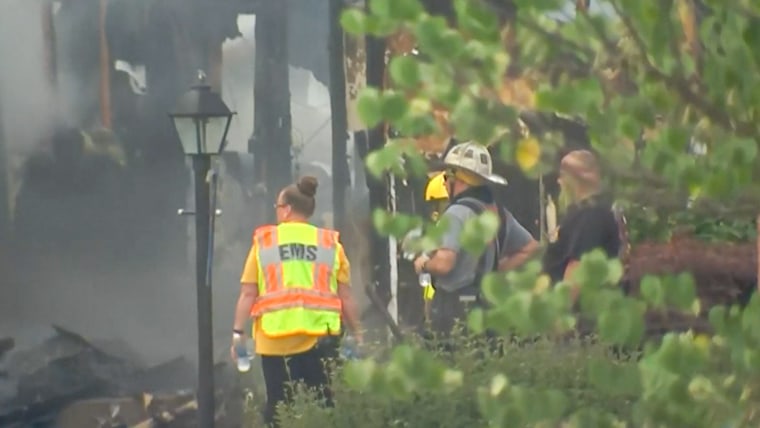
202 121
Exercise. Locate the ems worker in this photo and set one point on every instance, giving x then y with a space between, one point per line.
295 285
457 273
437 198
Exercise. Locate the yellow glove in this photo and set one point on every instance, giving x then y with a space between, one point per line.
428 292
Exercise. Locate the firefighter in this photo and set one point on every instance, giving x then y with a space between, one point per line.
437 197
295 285
457 273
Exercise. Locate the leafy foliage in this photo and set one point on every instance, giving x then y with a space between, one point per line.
479 376
652 80
650 224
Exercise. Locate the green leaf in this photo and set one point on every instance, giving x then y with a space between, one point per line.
370 107
593 270
437 40
614 378
394 106
354 21
359 374
681 292
405 72
477 20
622 322
396 9
397 224
476 320
479 231
386 159
651 290
542 314
539 5
580 97
495 288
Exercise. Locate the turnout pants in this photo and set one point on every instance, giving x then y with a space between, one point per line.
307 367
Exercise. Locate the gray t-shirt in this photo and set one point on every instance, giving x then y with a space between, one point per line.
464 270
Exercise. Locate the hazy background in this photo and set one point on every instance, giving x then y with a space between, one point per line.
110 258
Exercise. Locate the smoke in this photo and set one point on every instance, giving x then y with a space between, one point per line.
28 105
113 273
132 281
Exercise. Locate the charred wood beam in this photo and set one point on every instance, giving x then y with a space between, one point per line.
48 34
339 116
378 188
105 69
6 344
5 197
271 143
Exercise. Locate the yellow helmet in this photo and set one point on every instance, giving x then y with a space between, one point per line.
436 188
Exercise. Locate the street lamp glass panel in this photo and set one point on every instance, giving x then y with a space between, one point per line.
215 133
188 134
202 135
202 120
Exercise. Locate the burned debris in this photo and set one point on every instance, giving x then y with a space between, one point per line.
68 382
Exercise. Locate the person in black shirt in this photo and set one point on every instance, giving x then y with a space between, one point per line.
589 221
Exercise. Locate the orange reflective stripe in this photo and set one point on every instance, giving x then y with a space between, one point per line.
273 277
266 236
322 277
301 290
301 299
326 238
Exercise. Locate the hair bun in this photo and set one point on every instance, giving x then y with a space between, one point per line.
307 186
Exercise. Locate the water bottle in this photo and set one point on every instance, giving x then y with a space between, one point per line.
242 354
425 279
348 348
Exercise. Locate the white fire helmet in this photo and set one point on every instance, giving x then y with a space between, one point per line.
474 158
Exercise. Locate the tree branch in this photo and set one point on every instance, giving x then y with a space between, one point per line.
680 86
555 38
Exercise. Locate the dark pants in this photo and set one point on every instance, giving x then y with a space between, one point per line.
307 367
448 308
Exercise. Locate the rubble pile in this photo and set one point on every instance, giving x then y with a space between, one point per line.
67 382
724 273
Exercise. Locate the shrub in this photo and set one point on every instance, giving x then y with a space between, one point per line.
542 364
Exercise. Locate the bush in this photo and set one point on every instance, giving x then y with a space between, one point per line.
541 364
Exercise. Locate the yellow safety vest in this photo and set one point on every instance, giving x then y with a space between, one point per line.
298 286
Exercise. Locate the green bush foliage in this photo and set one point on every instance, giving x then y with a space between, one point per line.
543 367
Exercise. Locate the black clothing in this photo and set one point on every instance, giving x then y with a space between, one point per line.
448 308
587 225
307 367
